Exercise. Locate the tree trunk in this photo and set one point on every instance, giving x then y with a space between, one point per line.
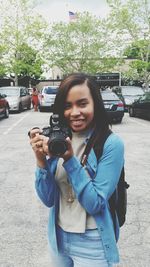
16 79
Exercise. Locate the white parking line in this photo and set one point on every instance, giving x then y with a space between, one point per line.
15 124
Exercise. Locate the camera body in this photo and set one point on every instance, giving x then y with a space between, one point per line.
57 134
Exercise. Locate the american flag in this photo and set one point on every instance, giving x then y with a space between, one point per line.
72 16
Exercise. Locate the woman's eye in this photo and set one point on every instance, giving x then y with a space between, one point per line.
83 104
67 106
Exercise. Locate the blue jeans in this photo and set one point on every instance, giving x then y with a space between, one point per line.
80 250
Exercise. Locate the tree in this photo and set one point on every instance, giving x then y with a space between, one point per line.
27 63
131 21
140 66
138 50
2 65
20 31
80 46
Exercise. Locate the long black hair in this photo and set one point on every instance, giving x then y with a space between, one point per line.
101 127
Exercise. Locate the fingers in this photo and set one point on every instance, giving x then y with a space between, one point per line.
38 142
36 145
69 143
39 151
45 145
32 133
69 153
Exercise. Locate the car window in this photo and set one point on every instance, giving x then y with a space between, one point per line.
132 91
147 96
50 90
22 93
25 91
9 91
109 96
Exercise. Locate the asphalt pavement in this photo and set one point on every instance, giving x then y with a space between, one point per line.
23 218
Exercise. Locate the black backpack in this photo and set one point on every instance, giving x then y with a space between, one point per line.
118 200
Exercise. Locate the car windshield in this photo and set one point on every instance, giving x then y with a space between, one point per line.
9 91
146 96
50 90
132 91
109 96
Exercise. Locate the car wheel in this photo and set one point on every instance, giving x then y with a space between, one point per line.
119 120
131 112
20 108
41 109
29 106
6 112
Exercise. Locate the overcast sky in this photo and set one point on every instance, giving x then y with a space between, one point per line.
57 10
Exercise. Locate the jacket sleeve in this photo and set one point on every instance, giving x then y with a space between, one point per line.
93 192
45 184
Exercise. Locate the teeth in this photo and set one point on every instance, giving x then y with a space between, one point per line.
76 122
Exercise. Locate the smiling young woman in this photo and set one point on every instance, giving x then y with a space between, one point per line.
81 231
79 108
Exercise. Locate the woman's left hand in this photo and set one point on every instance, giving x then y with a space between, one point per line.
69 153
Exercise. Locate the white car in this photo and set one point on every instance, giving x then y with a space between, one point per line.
17 96
47 97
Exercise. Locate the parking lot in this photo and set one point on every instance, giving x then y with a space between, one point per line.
23 218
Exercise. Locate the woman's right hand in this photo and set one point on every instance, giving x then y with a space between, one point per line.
39 145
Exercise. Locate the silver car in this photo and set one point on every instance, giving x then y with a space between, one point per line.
47 97
128 94
18 97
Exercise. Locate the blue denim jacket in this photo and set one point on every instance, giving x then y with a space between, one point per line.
92 191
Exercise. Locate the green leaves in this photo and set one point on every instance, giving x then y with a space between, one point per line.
131 21
20 33
90 44
79 46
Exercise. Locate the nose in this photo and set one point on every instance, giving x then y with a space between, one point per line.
75 111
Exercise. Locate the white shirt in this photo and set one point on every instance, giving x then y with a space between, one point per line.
72 216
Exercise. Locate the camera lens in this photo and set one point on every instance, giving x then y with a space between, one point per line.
58 147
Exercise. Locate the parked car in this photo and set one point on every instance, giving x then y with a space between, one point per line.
113 105
30 90
128 94
141 107
4 106
47 97
17 96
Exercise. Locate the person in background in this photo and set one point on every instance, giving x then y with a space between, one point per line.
75 185
35 99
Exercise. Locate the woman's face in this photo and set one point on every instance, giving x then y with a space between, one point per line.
79 108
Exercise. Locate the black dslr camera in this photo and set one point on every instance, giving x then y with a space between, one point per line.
57 134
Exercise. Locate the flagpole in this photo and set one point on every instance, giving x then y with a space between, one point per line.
67 9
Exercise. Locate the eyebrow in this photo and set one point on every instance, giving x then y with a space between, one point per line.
80 100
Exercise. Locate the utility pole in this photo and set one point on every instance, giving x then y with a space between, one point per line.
119 78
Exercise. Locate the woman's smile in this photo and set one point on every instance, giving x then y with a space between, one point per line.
77 122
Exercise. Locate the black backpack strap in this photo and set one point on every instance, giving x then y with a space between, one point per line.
96 142
113 205
118 200
99 144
